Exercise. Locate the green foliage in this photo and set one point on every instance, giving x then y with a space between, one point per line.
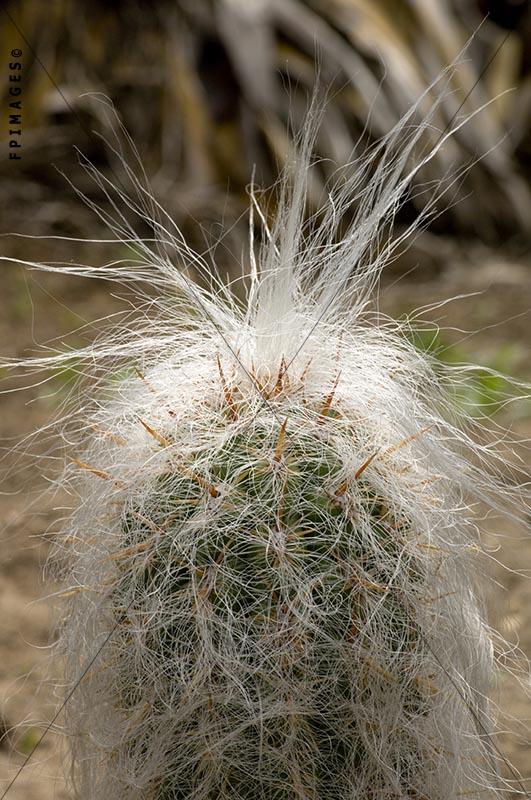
484 390
28 740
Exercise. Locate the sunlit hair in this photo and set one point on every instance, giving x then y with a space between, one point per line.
274 538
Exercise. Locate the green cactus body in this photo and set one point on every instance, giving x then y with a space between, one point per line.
272 593
273 567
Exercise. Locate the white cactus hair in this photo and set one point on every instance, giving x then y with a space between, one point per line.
300 384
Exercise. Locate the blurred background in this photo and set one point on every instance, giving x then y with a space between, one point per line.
212 92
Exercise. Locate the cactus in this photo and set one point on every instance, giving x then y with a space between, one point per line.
275 566
287 580
271 561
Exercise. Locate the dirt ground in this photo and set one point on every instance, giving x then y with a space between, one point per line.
33 310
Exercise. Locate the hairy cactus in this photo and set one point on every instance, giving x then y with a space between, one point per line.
266 564
271 573
287 579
